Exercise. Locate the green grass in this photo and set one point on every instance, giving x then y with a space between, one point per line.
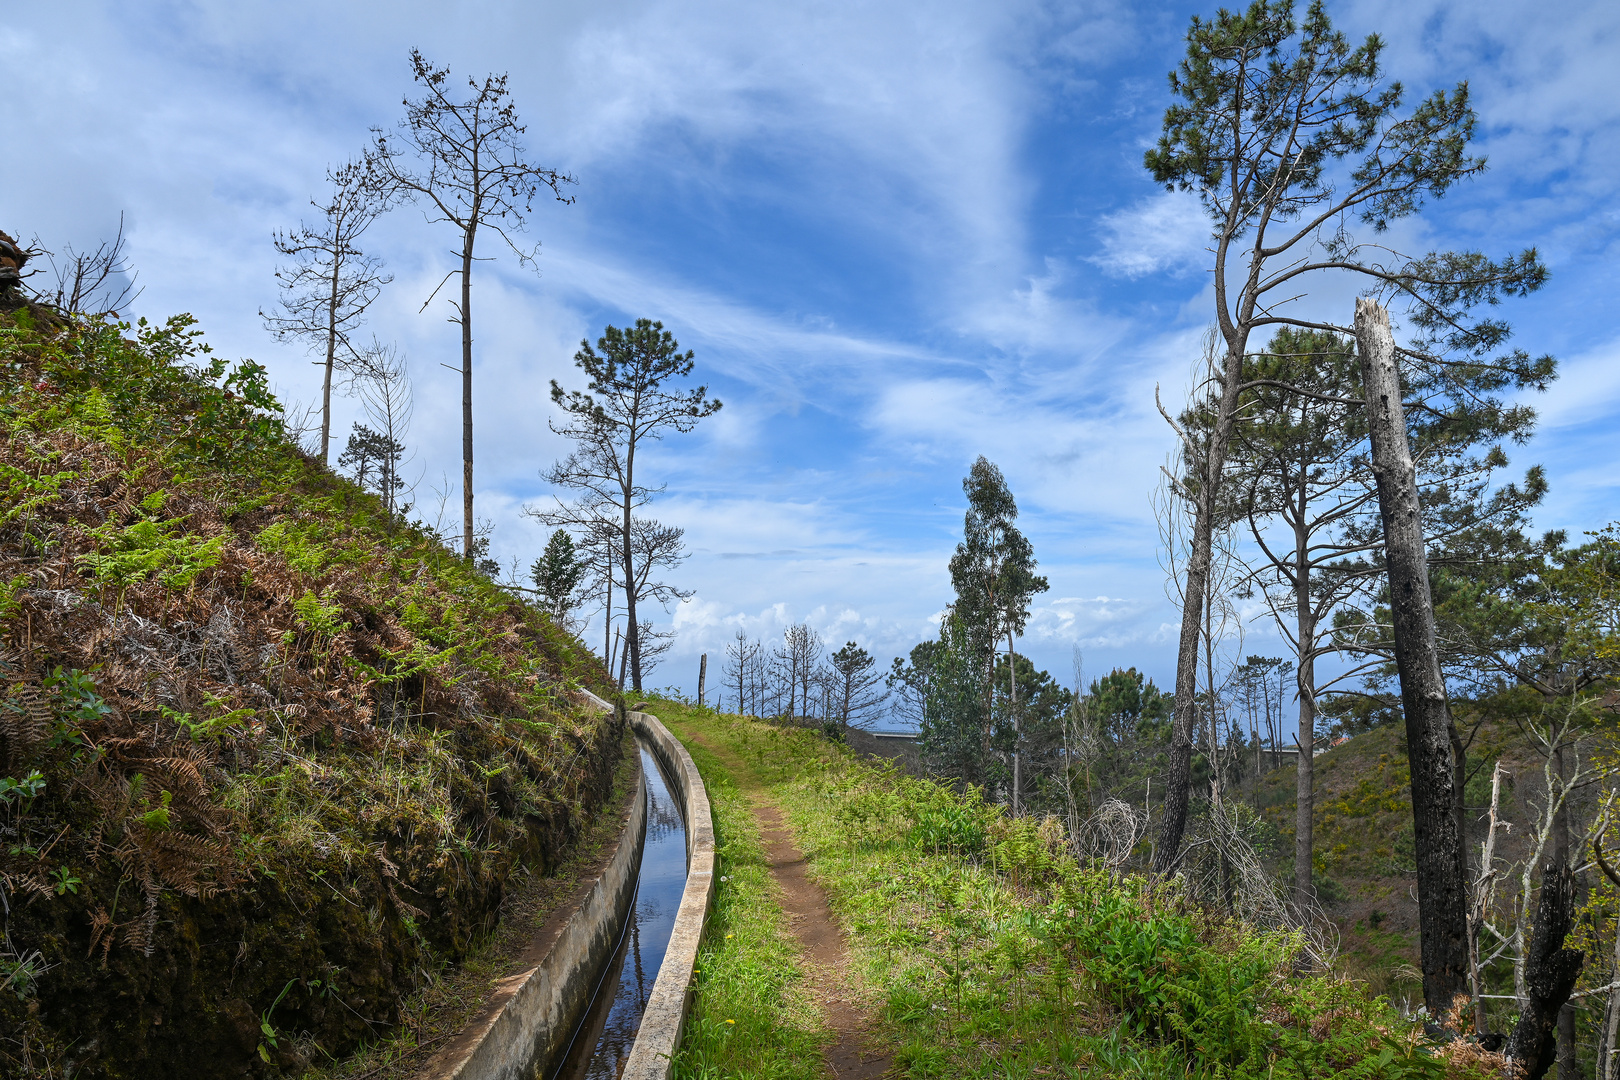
992 952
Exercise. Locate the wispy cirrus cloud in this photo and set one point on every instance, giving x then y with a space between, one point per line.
1163 233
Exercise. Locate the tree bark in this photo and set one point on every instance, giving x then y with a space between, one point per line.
331 360
1442 894
1018 727
632 629
1551 971
703 670
1305 771
1178 780
466 391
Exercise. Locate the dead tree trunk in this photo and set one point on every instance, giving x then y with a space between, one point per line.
1442 894
1178 781
1551 971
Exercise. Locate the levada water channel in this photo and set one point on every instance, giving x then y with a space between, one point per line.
607 1031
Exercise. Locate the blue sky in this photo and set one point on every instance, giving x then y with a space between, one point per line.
896 235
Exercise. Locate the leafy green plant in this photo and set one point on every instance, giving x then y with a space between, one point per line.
271 1040
23 791
320 616
157 819
78 703
66 881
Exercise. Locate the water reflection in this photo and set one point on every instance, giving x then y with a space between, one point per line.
602 1044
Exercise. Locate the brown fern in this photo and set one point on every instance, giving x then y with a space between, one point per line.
25 717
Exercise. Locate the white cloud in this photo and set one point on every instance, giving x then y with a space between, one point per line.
1164 232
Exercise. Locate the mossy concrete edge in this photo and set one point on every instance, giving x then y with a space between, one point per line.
664 1020
525 1026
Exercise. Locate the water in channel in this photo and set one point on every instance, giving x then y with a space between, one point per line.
604 1037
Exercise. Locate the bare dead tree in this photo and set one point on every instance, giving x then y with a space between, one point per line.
1442 899
740 656
95 283
329 281
383 379
798 655
469 168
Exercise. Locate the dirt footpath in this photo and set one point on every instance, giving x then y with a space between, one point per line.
852 1055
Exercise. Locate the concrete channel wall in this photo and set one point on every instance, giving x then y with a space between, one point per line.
524 1027
652 1056
523 1030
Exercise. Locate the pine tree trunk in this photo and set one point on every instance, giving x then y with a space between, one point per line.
1304 779
1551 971
331 361
466 395
1305 686
632 630
1442 895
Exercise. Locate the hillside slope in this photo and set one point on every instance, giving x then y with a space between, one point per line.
267 757
1363 836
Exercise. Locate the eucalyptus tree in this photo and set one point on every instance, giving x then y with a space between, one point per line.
1290 137
629 401
329 282
464 158
993 572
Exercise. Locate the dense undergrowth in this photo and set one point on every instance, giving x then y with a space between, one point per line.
991 952
268 756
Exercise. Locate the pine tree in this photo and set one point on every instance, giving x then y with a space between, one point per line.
557 573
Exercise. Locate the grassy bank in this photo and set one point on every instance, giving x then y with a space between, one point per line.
270 756
454 993
993 952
